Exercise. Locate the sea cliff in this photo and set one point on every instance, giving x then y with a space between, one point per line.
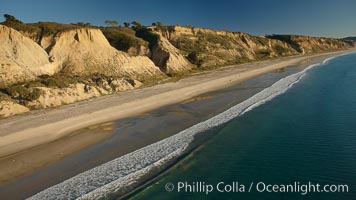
42 66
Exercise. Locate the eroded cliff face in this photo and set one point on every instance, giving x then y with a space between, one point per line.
95 68
309 44
21 59
210 48
75 52
168 57
87 51
82 53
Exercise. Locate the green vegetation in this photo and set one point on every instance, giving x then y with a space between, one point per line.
49 28
194 58
127 24
152 80
202 41
21 92
262 41
55 82
288 39
160 27
204 48
147 35
224 42
41 28
122 38
29 91
58 81
112 23
14 23
241 60
10 18
285 38
82 24
262 54
136 25
185 43
280 50
35 84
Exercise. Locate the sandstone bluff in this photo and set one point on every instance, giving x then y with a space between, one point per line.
45 69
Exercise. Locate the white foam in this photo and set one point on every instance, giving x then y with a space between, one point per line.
125 171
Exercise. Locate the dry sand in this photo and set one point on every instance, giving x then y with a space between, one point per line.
36 128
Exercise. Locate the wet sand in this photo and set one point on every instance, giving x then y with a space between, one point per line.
26 162
133 133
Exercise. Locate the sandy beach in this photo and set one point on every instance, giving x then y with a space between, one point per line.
55 126
39 127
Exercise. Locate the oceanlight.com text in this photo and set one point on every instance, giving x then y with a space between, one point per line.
261 187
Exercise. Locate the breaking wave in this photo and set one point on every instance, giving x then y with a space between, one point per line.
125 172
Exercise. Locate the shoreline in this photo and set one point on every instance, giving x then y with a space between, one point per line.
250 142
133 133
193 147
127 172
40 131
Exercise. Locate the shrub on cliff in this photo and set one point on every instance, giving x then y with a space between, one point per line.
193 58
288 39
12 22
35 93
148 35
49 28
58 81
10 18
280 50
122 38
17 91
39 28
20 92
112 23
35 84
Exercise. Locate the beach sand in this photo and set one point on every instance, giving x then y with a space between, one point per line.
38 129
25 162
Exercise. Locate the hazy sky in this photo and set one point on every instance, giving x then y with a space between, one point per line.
335 18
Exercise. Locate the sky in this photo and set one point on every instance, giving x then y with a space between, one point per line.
329 18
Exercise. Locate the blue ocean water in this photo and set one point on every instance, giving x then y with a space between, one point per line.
306 135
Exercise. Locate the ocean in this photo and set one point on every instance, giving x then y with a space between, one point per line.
299 145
